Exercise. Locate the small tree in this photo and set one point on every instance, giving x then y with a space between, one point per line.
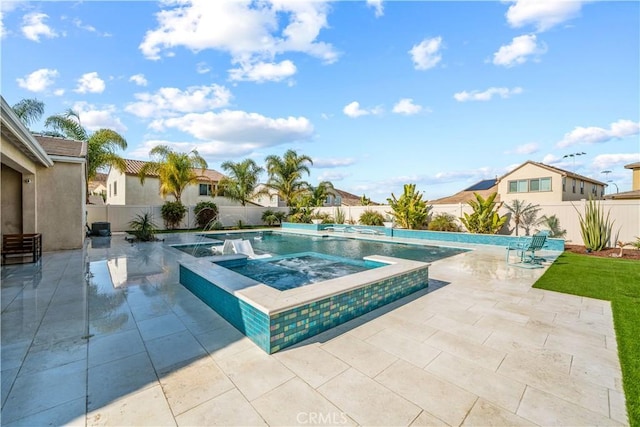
552 223
409 211
206 213
172 214
143 228
365 201
484 219
520 209
270 217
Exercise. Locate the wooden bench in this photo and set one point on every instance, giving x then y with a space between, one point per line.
22 244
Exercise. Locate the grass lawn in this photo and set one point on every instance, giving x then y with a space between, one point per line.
615 280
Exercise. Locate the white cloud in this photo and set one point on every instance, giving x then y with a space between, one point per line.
33 26
58 92
426 54
332 176
377 7
139 79
407 107
94 118
90 83
169 101
263 71
609 161
487 95
39 80
353 110
596 135
519 51
249 31
238 127
543 14
529 148
551 159
334 162
202 68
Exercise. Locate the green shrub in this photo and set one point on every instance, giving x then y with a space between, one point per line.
172 214
143 227
271 217
444 222
206 213
370 217
340 216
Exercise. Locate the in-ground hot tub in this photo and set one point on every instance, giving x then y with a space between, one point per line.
275 319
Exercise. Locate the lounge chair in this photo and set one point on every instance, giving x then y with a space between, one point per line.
334 228
367 231
526 248
244 247
228 248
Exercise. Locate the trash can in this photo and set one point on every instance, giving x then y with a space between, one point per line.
101 229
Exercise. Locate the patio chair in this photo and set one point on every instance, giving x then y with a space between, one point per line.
525 249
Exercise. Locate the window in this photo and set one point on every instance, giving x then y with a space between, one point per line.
581 187
205 190
594 190
564 184
533 185
115 188
573 186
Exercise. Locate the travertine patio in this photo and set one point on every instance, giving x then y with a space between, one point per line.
480 347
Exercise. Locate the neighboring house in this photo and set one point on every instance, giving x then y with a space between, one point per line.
484 188
532 182
635 185
126 189
536 182
268 199
339 197
42 185
98 185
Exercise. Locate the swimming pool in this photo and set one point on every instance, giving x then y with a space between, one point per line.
287 243
295 270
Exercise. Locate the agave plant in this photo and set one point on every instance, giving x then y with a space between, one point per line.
595 227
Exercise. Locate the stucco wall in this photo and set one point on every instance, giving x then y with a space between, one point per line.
11 201
636 180
117 177
61 206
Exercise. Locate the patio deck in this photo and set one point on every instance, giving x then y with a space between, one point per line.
479 347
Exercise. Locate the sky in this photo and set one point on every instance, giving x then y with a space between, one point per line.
378 93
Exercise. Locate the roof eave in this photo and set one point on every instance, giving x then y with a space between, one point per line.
15 126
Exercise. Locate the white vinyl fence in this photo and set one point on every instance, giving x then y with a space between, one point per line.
625 213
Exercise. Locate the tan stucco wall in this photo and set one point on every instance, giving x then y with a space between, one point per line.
636 180
117 177
556 194
11 200
16 159
61 205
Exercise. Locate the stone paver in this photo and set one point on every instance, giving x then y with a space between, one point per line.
481 347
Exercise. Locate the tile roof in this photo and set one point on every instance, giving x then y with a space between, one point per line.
134 167
349 199
465 195
55 146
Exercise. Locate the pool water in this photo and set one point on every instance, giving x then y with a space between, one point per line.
283 244
198 249
297 270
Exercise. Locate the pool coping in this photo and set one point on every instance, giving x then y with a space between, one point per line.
272 301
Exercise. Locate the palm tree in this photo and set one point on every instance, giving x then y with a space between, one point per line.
519 210
242 180
175 170
29 110
101 144
320 193
285 174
